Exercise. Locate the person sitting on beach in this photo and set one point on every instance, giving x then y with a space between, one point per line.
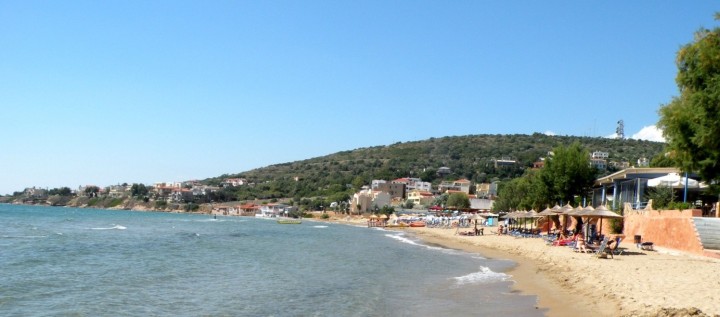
580 245
500 230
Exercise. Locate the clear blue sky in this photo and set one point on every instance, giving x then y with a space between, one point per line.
106 92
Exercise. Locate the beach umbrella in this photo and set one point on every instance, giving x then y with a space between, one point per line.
673 180
532 214
547 212
601 212
564 210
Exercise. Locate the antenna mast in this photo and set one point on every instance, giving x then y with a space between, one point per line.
620 131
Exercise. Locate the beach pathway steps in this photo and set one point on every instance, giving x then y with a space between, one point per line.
709 231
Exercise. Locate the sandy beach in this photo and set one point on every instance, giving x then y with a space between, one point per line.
637 283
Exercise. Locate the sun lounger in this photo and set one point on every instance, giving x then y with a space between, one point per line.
601 250
647 246
562 242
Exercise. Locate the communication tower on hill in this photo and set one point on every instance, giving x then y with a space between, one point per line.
620 130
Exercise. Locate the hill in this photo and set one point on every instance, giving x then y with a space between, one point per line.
472 157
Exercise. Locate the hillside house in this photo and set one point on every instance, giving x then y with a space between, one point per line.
461 185
232 182
367 200
420 197
396 190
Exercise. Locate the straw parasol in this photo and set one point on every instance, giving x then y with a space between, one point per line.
532 214
600 212
549 213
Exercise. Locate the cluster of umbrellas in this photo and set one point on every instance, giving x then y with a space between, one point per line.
589 212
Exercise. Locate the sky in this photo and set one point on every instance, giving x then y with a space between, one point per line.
110 92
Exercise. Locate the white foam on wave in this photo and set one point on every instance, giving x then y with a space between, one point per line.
401 238
116 227
485 275
23 237
320 226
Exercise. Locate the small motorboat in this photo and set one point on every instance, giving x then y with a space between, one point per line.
417 224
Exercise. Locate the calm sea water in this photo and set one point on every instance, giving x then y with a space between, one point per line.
85 262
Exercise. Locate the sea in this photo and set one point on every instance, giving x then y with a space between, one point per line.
59 261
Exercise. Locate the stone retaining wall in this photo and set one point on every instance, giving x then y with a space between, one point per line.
672 229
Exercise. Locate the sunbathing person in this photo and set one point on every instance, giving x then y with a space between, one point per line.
580 245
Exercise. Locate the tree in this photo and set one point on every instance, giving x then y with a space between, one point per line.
691 121
526 192
409 204
62 191
92 191
138 190
568 173
458 200
662 160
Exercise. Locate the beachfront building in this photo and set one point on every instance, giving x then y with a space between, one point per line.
461 185
367 200
396 190
481 204
275 210
420 197
630 186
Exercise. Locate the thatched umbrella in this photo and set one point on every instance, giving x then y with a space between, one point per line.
532 214
600 212
549 213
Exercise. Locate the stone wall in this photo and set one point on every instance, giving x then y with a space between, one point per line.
672 229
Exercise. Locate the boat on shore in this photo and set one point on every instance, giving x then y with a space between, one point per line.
417 224
289 221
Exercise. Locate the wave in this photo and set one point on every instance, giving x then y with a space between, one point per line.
23 237
320 226
401 238
485 275
116 227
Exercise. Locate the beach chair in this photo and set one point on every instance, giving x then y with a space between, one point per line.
601 250
616 249
647 246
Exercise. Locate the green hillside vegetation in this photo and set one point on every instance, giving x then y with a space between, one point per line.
335 177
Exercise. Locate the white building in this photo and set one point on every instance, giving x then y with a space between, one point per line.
600 155
367 200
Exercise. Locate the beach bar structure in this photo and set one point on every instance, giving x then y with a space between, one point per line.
630 186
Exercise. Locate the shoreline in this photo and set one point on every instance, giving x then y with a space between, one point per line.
638 283
556 301
663 282
551 297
